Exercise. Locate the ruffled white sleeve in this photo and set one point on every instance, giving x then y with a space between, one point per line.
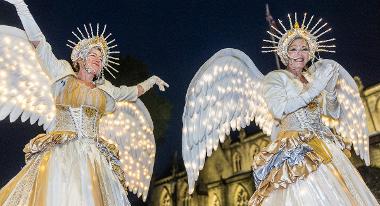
54 68
276 92
118 94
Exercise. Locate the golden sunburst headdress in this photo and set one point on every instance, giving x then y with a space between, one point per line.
91 40
281 40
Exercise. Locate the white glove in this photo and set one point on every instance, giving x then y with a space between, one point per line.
321 78
149 83
31 28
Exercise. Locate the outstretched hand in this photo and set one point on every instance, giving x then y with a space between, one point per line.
162 85
151 81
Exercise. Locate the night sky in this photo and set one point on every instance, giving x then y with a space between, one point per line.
174 38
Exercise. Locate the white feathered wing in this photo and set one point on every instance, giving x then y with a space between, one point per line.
225 93
352 122
24 86
131 128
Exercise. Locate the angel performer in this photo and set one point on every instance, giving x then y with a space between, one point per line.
306 162
99 141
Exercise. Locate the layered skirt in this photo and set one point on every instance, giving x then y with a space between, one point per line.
303 169
63 170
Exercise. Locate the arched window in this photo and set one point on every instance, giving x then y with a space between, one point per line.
236 162
215 200
254 150
165 199
241 196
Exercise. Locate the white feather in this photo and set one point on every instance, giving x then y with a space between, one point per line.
5 110
217 99
25 116
15 114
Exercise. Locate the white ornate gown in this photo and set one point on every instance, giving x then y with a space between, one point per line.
86 158
306 164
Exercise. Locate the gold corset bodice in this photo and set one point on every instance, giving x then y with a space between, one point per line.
79 108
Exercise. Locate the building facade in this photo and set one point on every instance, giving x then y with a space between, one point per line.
226 178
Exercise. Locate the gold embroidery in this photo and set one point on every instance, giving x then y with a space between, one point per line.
6 191
89 112
312 106
22 185
39 191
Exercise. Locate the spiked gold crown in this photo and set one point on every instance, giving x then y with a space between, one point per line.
91 40
281 40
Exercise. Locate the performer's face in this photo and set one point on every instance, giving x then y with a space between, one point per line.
298 53
94 60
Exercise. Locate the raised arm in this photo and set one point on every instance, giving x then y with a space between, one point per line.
280 103
56 69
149 83
31 28
125 93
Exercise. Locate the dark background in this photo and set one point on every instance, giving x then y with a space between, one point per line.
172 39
